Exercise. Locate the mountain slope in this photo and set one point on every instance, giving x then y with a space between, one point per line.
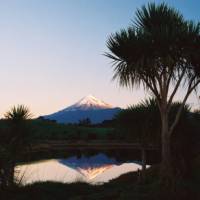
88 107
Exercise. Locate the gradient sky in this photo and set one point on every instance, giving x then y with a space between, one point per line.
51 51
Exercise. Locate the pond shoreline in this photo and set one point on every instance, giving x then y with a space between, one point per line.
81 144
55 149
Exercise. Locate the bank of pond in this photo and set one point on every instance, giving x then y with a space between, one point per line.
125 187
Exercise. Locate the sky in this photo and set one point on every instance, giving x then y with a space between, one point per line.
51 51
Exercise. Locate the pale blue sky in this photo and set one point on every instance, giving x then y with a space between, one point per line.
51 51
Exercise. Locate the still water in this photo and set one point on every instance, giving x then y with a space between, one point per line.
95 169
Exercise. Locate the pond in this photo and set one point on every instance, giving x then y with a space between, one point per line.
94 169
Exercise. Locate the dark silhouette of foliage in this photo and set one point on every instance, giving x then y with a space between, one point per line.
141 121
14 143
84 122
159 51
18 113
92 136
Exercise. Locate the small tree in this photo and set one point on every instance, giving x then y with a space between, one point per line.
17 138
84 122
160 51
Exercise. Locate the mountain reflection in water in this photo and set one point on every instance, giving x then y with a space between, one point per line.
90 167
95 169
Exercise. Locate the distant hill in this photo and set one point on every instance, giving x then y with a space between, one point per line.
88 107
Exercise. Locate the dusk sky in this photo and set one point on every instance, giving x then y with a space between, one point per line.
51 51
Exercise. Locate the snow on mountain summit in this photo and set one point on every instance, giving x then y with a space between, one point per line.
89 102
88 107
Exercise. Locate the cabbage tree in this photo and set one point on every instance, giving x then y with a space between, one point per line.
16 138
159 51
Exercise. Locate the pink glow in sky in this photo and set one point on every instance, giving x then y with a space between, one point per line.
51 52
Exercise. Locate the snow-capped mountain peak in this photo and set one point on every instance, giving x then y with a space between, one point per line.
89 102
88 107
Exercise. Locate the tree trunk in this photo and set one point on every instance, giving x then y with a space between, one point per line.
11 172
143 152
166 165
167 177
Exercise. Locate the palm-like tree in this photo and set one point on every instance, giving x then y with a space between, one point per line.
160 51
18 113
17 137
17 116
141 121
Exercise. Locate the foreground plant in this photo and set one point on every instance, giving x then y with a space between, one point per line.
16 140
159 51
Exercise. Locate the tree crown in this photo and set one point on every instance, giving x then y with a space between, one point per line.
18 113
159 42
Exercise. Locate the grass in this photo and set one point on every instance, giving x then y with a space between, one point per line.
49 130
73 191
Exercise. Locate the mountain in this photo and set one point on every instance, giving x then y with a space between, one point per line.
88 107
88 103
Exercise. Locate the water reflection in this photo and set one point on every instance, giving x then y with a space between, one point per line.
90 167
94 169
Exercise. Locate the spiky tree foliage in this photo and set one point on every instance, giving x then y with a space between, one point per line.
15 139
141 121
18 113
160 51
17 117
